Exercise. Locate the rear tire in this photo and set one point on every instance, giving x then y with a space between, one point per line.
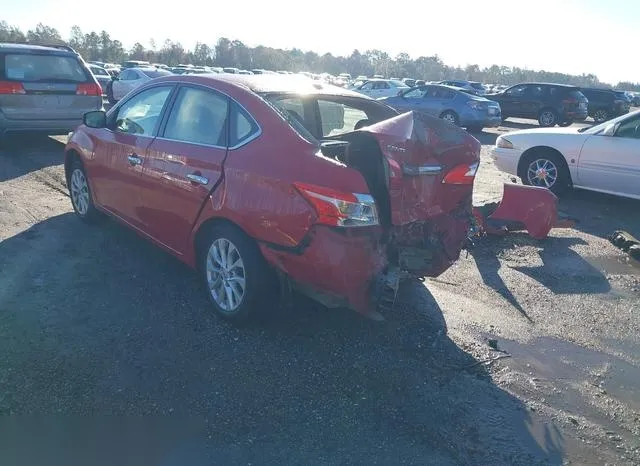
451 117
541 162
547 118
80 193
236 277
600 115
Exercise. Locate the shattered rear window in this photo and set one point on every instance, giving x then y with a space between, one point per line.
290 107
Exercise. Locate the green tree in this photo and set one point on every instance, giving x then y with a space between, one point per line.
44 35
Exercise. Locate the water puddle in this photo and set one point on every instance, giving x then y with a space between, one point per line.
568 375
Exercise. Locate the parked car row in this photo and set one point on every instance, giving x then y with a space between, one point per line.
603 158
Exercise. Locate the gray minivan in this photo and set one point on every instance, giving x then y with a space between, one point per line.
45 89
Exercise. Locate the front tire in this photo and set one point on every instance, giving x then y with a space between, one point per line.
80 193
547 118
545 169
236 276
450 117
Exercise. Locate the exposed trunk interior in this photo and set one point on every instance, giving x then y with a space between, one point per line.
361 151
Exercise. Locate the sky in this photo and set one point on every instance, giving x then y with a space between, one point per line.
570 36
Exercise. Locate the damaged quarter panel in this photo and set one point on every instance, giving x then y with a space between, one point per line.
257 191
431 202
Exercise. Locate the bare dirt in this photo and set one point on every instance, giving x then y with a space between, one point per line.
524 352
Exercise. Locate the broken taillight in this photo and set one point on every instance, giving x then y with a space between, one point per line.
335 208
462 174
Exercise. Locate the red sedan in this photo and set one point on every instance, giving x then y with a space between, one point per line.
257 179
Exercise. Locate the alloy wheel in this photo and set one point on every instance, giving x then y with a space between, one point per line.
600 116
450 117
547 118
543 173
225 274
79 192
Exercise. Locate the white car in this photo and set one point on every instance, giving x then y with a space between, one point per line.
603 158
129 79
378 88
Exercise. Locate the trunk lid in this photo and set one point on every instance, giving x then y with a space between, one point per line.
426 156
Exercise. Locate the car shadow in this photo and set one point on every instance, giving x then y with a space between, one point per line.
515 125
97 320
25 153
561 269
601 214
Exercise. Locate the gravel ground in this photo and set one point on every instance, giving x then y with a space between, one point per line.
95 321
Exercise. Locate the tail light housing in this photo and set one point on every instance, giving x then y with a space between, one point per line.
10 87
462 174
339 209
93 89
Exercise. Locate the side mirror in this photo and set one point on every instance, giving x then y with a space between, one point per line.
95 119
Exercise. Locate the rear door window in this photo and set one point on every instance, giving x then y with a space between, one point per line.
199 116
44 68
141 114
243 126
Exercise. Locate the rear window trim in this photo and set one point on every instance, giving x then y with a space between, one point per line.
3 69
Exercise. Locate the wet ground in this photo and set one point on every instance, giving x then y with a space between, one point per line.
524 352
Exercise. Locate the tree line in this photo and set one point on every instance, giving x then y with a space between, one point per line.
226 52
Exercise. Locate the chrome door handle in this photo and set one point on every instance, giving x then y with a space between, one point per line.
134 159
198 178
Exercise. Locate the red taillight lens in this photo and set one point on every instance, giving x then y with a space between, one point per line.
338 209
569 101
89 89
462 174
10 87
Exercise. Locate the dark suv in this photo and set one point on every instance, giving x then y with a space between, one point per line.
44 88
550 104
605 104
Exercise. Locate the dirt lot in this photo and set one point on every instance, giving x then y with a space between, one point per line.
94 320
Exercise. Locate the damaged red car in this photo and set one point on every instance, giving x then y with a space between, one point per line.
269 183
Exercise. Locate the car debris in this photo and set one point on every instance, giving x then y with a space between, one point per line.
627 243
529 208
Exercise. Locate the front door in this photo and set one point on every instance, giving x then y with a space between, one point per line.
122 148
183 165
612 163
511 101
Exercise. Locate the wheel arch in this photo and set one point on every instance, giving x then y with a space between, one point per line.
70 157
200 234
532 151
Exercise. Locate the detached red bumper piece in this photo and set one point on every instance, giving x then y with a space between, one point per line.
527 208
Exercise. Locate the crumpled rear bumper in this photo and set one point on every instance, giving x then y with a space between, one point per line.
337 266
353 267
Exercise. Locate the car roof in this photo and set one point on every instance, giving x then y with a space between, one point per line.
12 47
277 83
568 86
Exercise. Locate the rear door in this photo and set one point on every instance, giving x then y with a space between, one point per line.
184 164
46 86
612 163
121 150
